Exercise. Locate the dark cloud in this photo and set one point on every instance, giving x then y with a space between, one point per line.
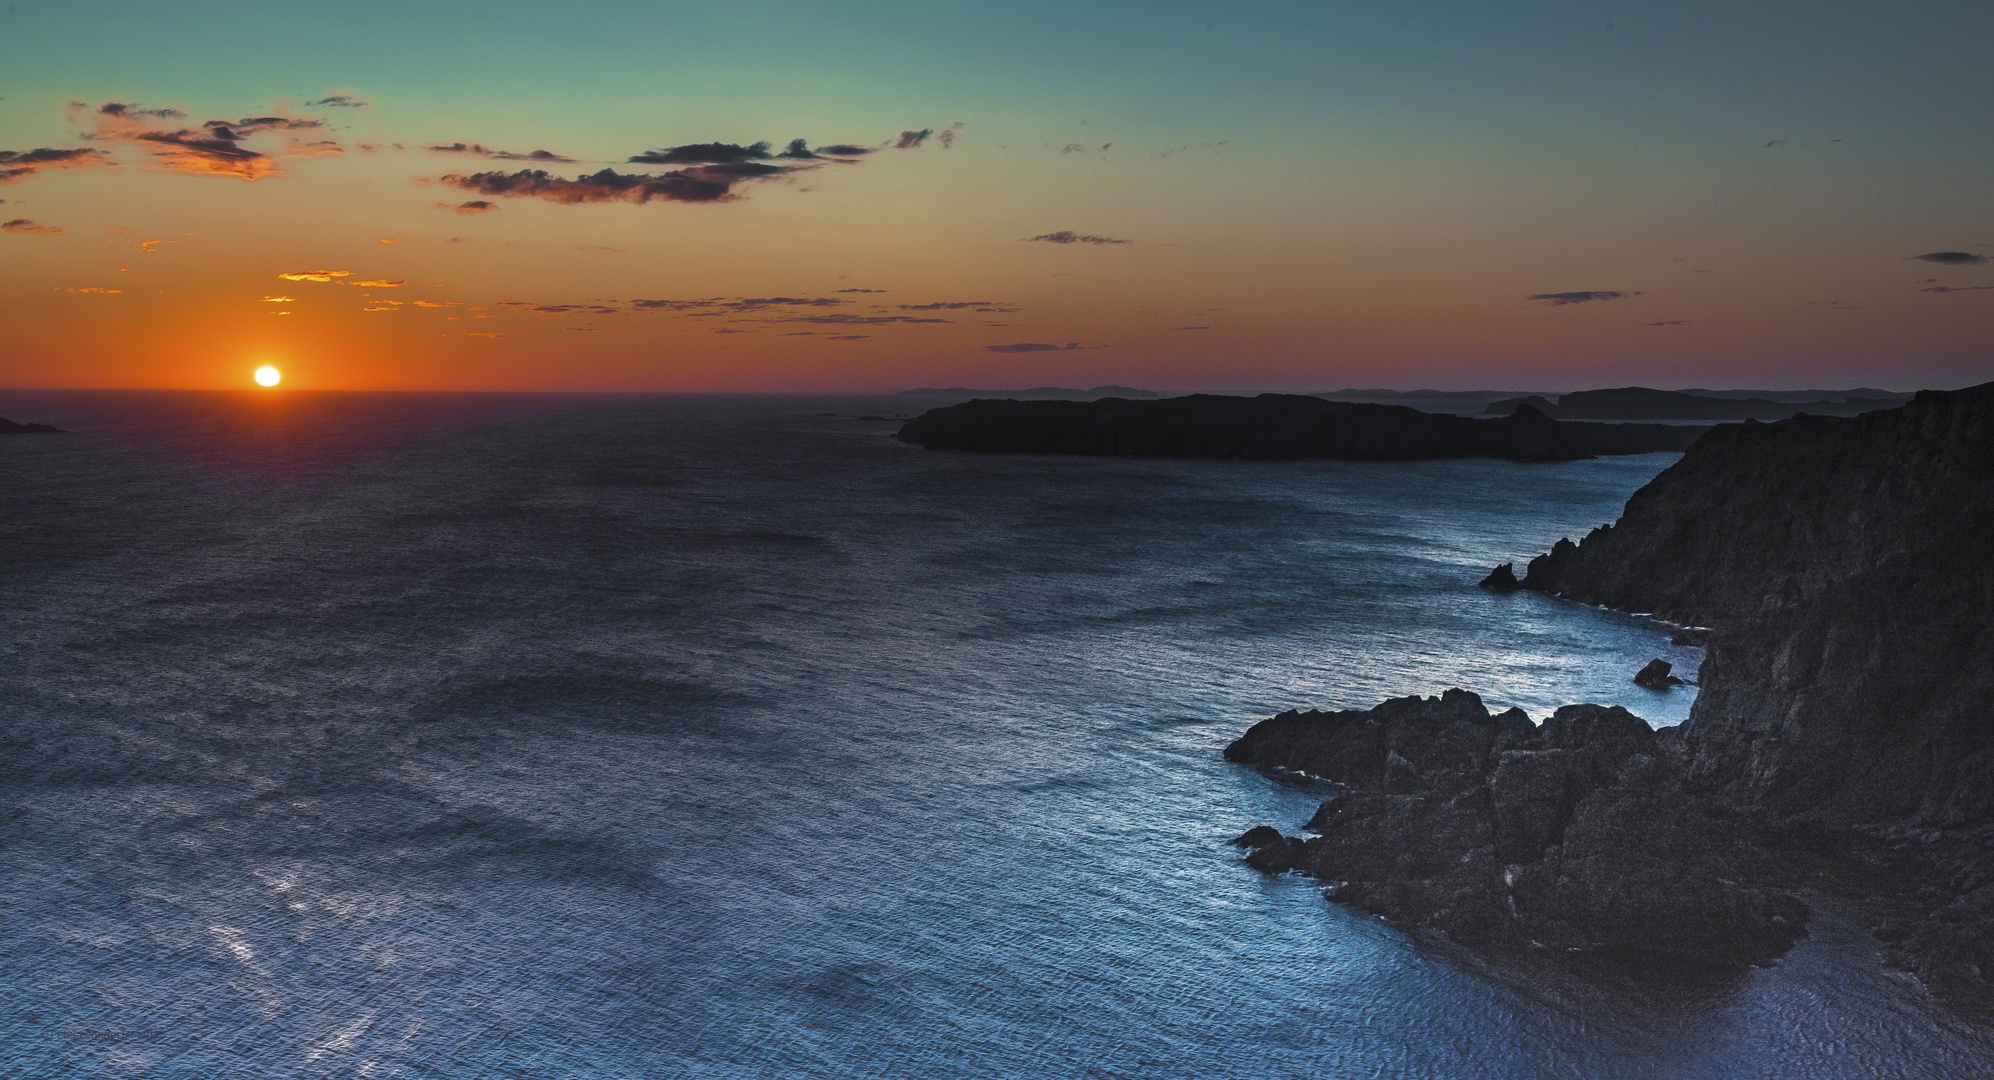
1035 346
1950 258
733 154
558 309
908 140
844 319
699 184
713 153
478 150
474 206
339 101
1561 299
1068 236
947 135
987 307
1957 288
851 337
212 149
119 108
19 164
1670 322
1190 328
23 225
859 290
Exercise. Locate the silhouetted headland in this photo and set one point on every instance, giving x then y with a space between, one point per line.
1642 403
1272 426
1842 739
1032 392
9 427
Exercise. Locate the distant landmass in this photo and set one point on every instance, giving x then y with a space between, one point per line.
1031 393
1272 426
9 427
1841 743
1642 403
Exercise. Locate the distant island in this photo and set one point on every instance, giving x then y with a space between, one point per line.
1272 426
1642 403
9 427
1031 393
1841 743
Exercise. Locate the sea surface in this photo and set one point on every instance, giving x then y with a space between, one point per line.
553 736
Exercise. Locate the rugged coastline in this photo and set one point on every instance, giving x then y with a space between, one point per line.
1272 426
1844 730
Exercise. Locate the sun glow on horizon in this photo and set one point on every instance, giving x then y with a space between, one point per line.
268 376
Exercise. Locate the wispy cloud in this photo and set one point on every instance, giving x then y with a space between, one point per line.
473 206
1038 346
88 289
477 150
1586 296
339 101
1190 328
1956 288
908 140
1669 322
316 275
20 164
23 225
1068 236
859 290
1949 258
377 284
987 307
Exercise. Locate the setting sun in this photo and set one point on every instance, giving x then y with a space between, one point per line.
268 376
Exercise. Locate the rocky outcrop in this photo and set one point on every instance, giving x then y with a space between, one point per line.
1845 571
9 427
1569 840
1272 426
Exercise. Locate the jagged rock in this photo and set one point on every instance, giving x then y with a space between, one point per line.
1501 834
1655 676
1258 836
1502 579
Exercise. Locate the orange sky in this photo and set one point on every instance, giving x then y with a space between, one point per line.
1267 201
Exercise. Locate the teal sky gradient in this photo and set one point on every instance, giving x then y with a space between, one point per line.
1334 193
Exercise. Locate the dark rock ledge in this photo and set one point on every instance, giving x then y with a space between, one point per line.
1570 839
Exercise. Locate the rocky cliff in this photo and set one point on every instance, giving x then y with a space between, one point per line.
1844 729
1272 426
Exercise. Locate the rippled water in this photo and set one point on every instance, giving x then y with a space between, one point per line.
483 736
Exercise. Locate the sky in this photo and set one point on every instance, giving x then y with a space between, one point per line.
769 196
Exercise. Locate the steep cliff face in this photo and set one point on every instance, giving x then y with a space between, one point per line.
1848 568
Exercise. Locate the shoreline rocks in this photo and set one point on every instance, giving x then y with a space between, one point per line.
1566 840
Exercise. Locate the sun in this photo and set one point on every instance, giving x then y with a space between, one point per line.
268 376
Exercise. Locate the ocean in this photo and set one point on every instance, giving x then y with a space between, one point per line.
453 735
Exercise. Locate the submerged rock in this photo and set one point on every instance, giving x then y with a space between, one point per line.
1655 676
